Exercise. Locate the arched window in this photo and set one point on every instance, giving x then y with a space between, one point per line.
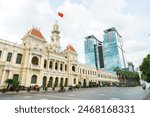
51 65
56 82
83 71
34 79
74 81
84 83
45 63
35 60
56 66
44 81
50 81
73 68
65 67
19 57
0 53
61 82
66 82
9 56
15 77
61 66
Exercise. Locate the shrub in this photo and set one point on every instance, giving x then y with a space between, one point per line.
53 88
38 89
28 89
18 89
45 88
62 88
34 88
71 88
77 87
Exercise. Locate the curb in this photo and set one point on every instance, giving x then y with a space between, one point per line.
25 92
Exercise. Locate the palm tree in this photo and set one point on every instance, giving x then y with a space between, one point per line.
9 82
12 82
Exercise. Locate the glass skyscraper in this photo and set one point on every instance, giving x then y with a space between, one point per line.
93 52
113 50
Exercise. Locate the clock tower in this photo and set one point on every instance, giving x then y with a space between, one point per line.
55 38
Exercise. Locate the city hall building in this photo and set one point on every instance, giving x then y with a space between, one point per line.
36 62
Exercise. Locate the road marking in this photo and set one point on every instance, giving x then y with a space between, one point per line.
27 96
115 98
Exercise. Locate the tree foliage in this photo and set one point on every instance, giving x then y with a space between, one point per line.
12 82
126 77
145 68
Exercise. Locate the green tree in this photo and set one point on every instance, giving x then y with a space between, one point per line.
145 68
126 77
12 82
9 82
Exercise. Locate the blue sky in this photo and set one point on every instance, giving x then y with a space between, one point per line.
81 18
138 7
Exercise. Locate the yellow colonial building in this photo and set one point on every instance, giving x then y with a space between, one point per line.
36 62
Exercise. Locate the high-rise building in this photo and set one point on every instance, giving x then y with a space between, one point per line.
113 50
93 52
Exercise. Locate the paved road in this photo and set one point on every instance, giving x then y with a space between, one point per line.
103 93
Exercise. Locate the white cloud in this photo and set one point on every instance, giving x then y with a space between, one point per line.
18 17
80 20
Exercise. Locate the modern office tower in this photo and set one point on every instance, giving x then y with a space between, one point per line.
93 52
113 50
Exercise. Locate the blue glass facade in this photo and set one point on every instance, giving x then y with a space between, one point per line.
93 52
113 51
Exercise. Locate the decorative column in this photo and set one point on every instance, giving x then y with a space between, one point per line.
41 63
54 65
59 82
4 54
3 77
30 57
48 63
59 66
53 81
14 56
63 67
10 74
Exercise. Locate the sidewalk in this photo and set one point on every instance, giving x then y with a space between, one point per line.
35 92
25 92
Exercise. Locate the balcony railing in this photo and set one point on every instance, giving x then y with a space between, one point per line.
35 66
